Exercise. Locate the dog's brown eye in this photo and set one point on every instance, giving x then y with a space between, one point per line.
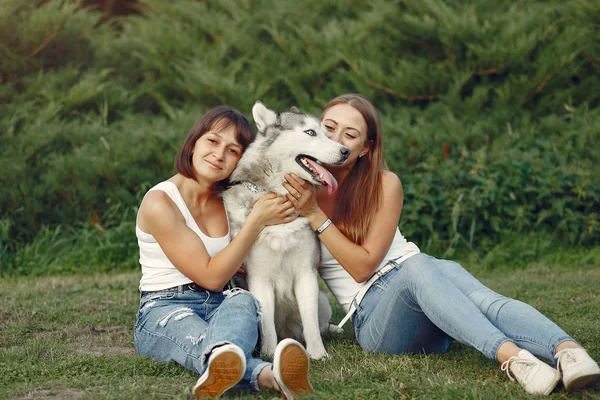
310 132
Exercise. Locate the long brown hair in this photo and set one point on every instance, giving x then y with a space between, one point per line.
359 196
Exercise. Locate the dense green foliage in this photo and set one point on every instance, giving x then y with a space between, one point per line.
490 110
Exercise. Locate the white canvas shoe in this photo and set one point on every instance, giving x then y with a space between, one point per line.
226 367
290 369
577 367
534 375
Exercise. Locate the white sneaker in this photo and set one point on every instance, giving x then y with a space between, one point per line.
290 369
226 367
578 368
535 376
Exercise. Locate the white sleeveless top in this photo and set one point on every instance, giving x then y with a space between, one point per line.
157 271
342 285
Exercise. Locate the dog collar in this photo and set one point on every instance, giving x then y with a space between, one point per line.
254 188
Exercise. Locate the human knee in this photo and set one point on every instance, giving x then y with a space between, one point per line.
417 268
243 299
489 301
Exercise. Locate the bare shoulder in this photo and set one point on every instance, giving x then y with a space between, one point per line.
156 201
391 182
156 208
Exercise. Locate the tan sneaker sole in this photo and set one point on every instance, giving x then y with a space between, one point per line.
224 372
294 370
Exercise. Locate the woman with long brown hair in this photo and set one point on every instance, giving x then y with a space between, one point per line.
401 300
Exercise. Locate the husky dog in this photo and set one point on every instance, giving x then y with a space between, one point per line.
282 265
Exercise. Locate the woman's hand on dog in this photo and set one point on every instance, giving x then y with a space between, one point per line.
271 209
301 194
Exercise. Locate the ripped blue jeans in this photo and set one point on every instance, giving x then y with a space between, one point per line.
185 326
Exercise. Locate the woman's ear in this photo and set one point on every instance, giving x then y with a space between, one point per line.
366 148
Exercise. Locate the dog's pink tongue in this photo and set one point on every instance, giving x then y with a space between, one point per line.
326 176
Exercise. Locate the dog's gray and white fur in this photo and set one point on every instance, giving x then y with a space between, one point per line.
282 265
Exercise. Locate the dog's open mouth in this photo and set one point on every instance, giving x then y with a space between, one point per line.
318 173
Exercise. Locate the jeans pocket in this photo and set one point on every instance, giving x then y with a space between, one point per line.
379 284
148 301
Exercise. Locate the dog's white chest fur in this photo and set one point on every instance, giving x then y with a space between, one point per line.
285 237
282 274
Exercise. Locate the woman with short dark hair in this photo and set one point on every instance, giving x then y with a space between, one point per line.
188 259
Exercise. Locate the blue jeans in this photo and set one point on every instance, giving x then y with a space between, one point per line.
186 326
424 303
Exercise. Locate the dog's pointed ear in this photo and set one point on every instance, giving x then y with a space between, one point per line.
263 116
295 110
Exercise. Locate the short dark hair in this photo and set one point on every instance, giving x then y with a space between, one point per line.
218 118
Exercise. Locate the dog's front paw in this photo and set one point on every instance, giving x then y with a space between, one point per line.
317 353
267 351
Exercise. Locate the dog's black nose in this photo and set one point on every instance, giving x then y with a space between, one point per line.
345 151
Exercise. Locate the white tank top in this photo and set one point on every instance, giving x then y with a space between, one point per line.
157 271
342 285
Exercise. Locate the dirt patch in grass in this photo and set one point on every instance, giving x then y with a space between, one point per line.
94 349
102 341
94 340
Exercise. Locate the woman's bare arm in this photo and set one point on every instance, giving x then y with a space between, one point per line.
359 260
161 218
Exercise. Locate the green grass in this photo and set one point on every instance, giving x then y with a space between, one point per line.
72 337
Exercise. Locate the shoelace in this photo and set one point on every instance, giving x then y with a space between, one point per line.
506 364
566 355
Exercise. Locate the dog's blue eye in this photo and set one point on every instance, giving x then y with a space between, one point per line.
310 132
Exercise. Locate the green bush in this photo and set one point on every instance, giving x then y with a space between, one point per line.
490 111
